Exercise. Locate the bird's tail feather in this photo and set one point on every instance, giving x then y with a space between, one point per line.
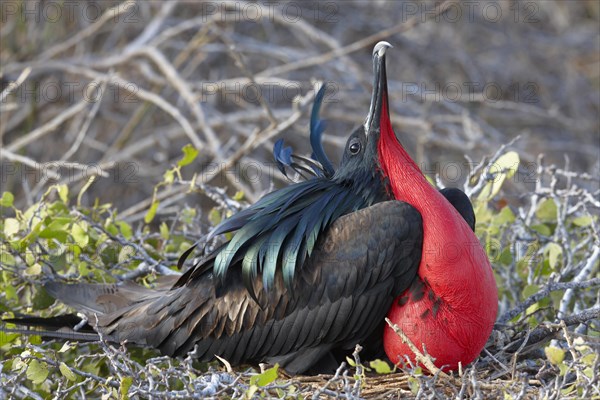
65 327
102 299
95 301
49 334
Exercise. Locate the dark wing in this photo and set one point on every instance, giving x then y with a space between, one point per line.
281 229
461 202
339 297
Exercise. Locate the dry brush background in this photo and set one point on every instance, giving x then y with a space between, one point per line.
115 90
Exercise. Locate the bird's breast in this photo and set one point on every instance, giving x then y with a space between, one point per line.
450 309
435 328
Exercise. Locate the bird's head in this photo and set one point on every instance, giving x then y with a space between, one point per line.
359 168
378 117
363 166
361 155
395 164
366 155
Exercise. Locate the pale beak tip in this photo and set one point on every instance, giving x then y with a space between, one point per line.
381 47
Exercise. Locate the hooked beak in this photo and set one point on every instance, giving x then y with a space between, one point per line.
380 91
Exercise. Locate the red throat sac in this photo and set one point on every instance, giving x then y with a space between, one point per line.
453 316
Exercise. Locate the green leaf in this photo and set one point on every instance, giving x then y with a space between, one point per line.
126 253
124 386
266 377
483 214
547 210
563 368
63 193
10 291
125 229
555 355
61 236
238 196
505 216
582 347
6 258
532 320
112 229
6 338
151 212
189 155
164 231
31 236
79 234
569 389
554 251
37 371
542 229
34 270
169 176
508 162
7 199
66 372
505 257
11 226
66 347
18 365
583 220
530 290
251 392
589 372
57 229
380 366
85 187
504 168
413 384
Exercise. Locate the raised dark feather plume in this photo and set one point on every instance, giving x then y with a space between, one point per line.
317 127
319 164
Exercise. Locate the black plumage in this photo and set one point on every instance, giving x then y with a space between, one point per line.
461 202
356 252
344 288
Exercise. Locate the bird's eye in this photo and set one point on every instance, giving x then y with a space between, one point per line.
354 147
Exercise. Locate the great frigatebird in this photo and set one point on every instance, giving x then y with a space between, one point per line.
311 268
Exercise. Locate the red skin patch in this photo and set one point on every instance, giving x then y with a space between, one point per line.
454 321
